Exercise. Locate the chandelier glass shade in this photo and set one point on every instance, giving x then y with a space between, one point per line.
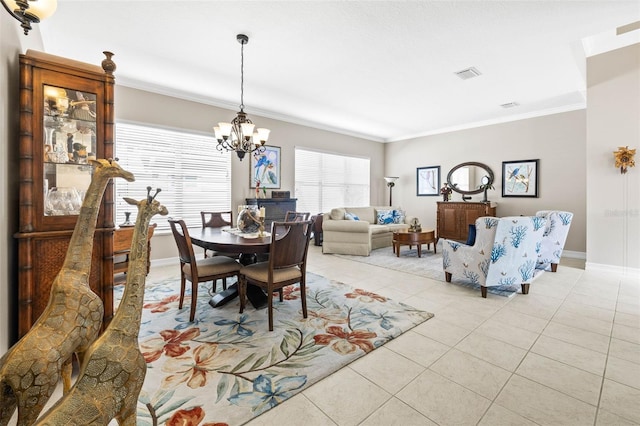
240 135
30 11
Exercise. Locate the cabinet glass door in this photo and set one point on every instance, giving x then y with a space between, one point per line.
69 124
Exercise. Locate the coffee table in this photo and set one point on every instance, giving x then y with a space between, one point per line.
406 238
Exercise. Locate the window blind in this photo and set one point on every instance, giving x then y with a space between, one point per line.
193 176
326 180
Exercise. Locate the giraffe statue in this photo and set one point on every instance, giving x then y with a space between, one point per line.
71 321
113 369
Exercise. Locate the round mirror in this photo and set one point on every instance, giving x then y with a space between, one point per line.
469 178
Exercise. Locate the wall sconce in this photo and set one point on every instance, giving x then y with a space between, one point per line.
391 182
30 11
624 158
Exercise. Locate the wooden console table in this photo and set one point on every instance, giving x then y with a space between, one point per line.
122 247
454 218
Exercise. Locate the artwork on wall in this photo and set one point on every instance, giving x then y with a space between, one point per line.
520 178
428 181
265 168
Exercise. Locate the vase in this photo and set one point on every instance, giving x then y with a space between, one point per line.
127 220
249 219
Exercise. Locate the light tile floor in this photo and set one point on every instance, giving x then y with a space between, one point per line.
568 353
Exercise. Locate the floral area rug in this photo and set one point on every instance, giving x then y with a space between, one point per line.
429 265
226 368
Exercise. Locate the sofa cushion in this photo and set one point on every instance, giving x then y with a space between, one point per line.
379 229
337 214
366 214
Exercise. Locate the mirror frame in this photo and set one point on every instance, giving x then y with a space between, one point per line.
469 163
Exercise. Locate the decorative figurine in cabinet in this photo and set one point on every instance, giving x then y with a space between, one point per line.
66 119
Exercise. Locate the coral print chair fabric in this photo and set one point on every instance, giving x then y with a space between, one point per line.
505 253
555 235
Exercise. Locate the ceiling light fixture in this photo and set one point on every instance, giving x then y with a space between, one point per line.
238 135
30 11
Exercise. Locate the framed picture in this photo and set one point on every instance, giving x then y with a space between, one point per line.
520 178
265 168
428 181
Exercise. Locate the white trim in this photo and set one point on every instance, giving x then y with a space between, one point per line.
622 270
490 122
574 254
167 261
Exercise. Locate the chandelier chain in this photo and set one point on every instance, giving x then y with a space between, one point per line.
242 77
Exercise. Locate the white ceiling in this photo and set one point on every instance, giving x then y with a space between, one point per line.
382 70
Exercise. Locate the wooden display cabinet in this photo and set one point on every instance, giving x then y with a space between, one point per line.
454 218
66 118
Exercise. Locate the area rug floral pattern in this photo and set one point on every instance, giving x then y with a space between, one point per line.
226 368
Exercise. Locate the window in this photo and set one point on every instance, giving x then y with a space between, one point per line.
193 176
325 181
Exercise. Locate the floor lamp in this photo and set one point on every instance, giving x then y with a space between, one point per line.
391 182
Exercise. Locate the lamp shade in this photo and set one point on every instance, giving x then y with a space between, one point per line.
391 179
40 8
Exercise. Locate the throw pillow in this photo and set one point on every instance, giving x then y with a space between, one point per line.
351 216
398 216
337 214
384 217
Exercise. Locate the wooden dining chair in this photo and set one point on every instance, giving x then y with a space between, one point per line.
287 265
202 270
291 216
217 220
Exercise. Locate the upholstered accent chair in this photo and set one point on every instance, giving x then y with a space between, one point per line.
555 235
505 253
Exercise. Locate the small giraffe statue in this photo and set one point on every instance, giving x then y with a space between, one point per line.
71 321
113 370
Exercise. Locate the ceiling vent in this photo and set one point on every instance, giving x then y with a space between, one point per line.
468 73
510 105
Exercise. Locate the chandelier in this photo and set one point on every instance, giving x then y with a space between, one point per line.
30 11
239 135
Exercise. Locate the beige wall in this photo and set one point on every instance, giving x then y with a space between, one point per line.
613 120
12 43
557 140
144 107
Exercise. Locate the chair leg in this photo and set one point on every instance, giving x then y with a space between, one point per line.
554 267
194 299
525 288
281 293
447 276
483 291
224 283
303 296
182 289
242 292
270 308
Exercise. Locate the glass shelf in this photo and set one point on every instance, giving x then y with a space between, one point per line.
69 123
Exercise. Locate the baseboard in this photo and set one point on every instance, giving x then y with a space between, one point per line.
166 261
632 272
574 254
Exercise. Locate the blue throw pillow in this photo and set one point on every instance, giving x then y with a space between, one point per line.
351 216
398 216
384 217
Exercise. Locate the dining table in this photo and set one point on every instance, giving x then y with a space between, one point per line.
249 247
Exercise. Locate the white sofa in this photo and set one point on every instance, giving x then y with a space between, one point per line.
344 235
